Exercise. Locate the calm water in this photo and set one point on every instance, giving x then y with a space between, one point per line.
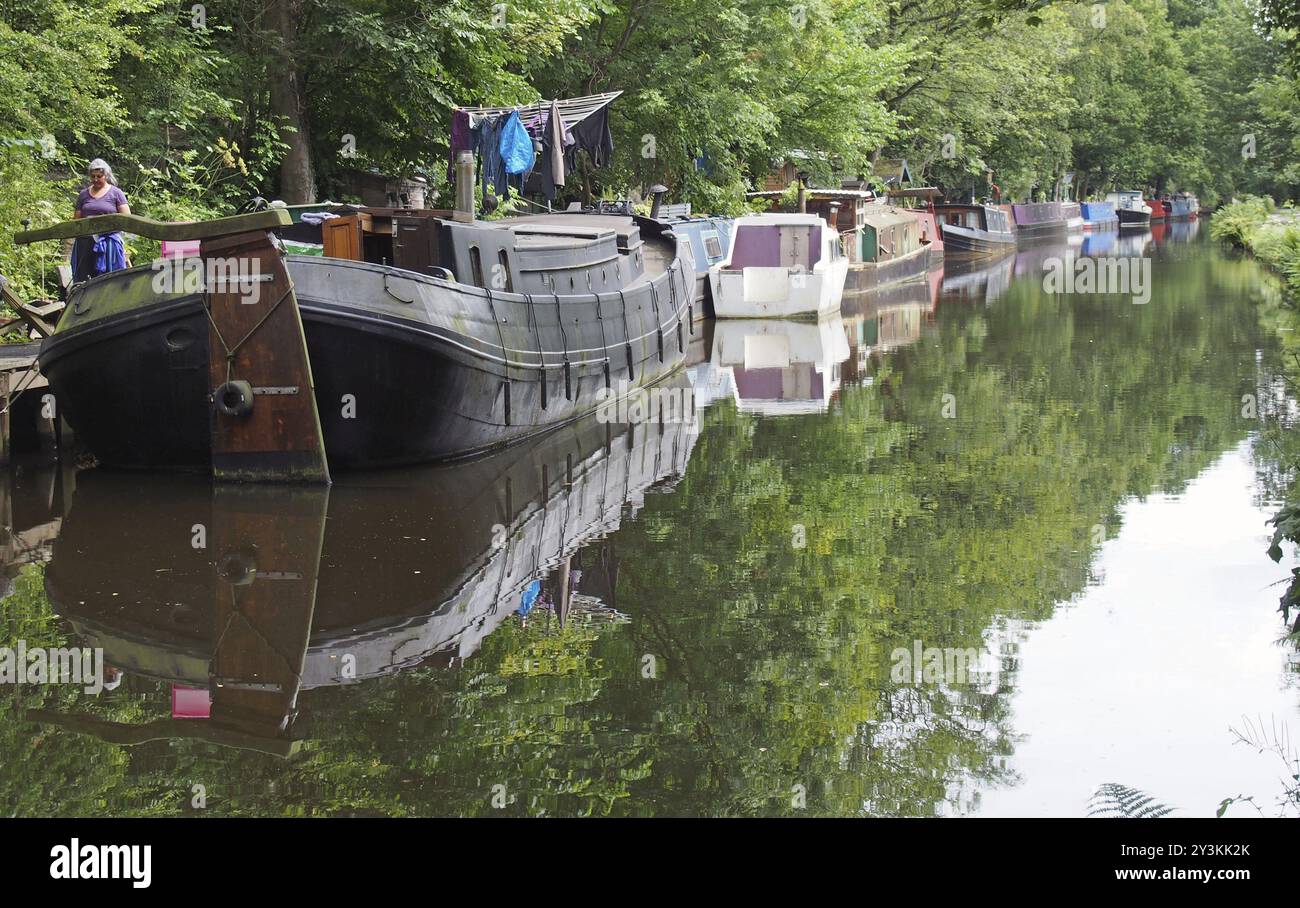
1070 487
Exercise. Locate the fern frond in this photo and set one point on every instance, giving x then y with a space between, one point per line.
1115 800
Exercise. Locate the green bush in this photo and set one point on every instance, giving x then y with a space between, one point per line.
1237 223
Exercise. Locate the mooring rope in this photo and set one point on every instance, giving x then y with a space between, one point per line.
33 369
232 351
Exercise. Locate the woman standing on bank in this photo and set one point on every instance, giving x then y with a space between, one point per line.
101 253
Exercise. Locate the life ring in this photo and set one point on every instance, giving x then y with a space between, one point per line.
234 398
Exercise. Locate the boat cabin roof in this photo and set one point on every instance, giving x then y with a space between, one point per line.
888 217
777 219
590 226
855 195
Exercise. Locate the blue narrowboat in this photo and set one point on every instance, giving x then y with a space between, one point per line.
1099 216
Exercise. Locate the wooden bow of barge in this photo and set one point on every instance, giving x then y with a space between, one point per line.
254 371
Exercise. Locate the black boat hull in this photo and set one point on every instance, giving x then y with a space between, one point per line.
407 369
1133 218
968 241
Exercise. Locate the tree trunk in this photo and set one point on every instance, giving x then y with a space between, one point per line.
297 179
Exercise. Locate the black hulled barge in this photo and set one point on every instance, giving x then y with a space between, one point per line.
428 337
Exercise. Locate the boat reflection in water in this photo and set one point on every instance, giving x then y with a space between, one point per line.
876 323
31 513
1134 243
1182 230
775 367
980 282
245 596
1103 243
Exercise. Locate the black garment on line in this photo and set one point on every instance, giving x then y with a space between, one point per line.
593 136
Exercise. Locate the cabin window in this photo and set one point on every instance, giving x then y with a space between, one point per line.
503 262
476 266
712 247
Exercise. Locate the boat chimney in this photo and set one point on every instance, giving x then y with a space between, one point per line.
657 196
802 176
464 211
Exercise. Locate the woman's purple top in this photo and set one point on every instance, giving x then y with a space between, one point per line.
89 206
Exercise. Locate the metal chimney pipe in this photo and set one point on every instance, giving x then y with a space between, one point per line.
464 211
657 196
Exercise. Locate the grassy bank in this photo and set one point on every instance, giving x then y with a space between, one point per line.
1270 233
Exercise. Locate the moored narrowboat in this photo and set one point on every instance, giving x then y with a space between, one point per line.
1099 217
780 266
1036 221
975 229
1129 208
1183 205
1159 209
894 245
427 338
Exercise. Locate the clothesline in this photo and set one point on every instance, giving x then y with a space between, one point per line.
572 110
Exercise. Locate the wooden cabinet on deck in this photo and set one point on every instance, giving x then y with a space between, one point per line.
342 237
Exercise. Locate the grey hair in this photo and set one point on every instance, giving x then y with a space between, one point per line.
101 164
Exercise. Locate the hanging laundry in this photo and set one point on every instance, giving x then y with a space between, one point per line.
555 138
487 144
516 146
593 136
461 138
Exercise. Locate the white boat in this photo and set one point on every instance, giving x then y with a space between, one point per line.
780 266
781 367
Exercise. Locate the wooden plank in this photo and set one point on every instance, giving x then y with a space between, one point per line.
158 230
6 444
35 317
257 337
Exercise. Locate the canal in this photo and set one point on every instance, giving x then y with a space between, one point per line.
732 607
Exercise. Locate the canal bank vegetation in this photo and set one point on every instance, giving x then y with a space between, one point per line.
199 107
1270 233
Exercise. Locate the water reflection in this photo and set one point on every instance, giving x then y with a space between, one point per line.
775 367
539 621
1103 242
978 282
242 597
877 323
